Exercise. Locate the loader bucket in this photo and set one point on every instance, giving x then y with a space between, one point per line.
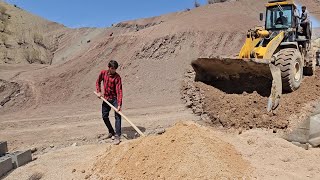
217 68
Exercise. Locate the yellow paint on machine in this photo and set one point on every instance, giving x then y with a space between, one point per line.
288 2
249 48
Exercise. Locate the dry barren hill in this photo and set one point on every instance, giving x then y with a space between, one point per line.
26 38
29 39
162 51
154 53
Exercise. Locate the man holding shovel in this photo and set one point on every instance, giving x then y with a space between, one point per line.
112 88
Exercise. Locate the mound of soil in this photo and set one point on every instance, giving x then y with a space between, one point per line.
224 103
184 151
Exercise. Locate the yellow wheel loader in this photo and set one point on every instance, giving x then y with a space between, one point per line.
281 52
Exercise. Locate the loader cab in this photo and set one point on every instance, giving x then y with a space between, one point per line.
280 17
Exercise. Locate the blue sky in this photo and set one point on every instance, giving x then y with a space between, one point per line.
102 13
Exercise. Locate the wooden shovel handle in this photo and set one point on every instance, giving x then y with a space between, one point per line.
119 112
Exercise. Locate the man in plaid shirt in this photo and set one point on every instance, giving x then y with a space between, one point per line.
112 92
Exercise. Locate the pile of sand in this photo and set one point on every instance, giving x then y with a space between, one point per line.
184 151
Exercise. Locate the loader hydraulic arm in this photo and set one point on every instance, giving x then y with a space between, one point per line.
251 41
273 45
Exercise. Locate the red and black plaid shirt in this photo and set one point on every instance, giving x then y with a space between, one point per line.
112 86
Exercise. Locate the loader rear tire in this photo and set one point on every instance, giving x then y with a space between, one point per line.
290 62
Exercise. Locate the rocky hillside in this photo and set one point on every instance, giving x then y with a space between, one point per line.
26 38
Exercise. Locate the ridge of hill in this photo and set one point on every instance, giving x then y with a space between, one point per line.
26 38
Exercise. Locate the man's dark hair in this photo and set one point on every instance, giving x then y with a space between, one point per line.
304 7
113 64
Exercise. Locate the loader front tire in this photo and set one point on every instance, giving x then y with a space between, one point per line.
290 62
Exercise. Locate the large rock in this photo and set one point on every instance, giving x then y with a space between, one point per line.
300 134
314 134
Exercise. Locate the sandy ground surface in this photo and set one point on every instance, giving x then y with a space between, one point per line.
254 154
52 107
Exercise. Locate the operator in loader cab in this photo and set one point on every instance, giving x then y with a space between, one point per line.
281 19
112 92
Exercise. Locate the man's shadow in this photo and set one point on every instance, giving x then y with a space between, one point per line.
131 133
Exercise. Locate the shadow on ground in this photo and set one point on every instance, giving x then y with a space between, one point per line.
131 133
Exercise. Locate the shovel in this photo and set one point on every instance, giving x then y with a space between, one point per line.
119 112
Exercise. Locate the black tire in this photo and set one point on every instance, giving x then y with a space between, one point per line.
310 68
291 66
310 71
